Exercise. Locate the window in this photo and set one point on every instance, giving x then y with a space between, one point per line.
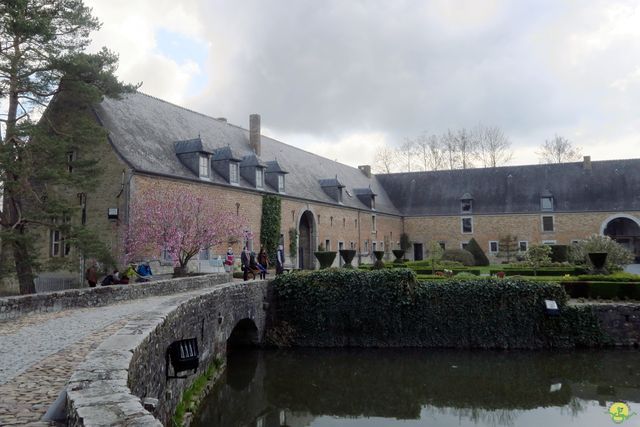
366 246
382 246
259 178
373 202
464 245
327 245
523 246
339 195
165 255
331 221
56 242
204 166
442 244
547 223
467 225
57 245
546 203
344 222
548 242
373 223
281 183
233 173
71 157
352 245
466 205
493 247
575 242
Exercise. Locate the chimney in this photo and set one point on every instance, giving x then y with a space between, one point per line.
586 163
254 133
366 170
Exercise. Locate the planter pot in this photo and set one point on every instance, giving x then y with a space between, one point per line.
179 271
325 258
598 260
399 254
378 255
347 256
379 264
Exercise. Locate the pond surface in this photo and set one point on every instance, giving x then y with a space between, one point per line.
412 387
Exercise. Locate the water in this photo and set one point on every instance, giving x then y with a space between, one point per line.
373 387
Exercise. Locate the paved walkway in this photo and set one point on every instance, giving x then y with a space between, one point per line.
633 268
38 353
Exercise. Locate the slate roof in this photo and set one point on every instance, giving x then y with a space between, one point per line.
610 185
144 129
189 146
252 160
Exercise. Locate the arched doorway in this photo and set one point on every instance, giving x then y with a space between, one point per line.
305 241
626 231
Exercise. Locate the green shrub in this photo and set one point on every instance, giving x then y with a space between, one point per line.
617 255
616 277
465 275
439 264
391 308
473 271
559 253
480 259
460 255
602 290
546 271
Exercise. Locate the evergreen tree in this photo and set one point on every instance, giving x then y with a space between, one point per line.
478 254
508 246
42 58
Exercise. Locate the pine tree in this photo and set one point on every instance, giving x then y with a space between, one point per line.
508 246
42 58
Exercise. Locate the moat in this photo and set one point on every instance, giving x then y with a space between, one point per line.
411 387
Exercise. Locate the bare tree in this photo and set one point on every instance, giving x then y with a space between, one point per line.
430 153
385 160
466 145
406 154
494 148
450 150
558 150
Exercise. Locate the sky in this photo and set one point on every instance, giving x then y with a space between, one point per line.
344 78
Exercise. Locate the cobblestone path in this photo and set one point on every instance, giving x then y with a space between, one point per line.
38 353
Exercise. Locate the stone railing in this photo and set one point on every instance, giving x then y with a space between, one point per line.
13 307
128 371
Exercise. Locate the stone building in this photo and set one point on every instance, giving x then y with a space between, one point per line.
153 143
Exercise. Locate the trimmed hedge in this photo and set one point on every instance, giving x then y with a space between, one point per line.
617 277
460 255
545 271
602 290
390 308
478 254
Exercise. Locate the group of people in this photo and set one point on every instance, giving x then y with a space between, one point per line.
252 264
137 273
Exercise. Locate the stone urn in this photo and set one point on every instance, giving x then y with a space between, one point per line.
399 254
379 264
325 258
347 256
598 261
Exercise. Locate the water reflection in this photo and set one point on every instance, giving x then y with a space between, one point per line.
313 387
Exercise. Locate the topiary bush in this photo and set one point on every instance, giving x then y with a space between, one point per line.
347 256
559 253
325 258
378 264
617 255
390 308
480 258
460 255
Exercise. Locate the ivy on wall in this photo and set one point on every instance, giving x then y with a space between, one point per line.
293 242
389 308
270 225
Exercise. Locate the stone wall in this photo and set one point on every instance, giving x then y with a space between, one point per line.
619 320
13 307
128 369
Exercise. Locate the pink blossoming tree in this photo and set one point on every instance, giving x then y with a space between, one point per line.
178 222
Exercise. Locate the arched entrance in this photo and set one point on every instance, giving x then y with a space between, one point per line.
305 241
626 231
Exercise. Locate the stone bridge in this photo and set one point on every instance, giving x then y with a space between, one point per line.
126 370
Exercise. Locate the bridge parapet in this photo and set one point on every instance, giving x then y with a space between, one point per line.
108 388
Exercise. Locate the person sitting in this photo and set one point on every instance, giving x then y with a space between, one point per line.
144 272
108 280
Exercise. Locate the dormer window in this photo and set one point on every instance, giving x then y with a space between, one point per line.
373 202
366 196
234 175
259 178
281 183
339 195
333 187
546 201
466 203
204 167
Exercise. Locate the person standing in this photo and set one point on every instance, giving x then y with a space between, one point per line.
244 261
280 260
228 262
92 275
263 263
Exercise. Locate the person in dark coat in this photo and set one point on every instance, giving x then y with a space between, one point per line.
263 263
92 275
280 260
244 261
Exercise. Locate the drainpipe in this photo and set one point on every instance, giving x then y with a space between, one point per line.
359 240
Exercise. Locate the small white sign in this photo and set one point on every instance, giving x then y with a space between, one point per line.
555 387
550 304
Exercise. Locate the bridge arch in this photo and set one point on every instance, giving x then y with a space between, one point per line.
624 229
243 334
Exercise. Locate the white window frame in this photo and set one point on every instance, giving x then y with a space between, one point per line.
462 244
497 246
526 245
463 203
374 246
55 239
366 246
443 244
234 173
462 224
259 178
547 209
549 242
204 166
327 244
373 203
374 226
280 183
553 223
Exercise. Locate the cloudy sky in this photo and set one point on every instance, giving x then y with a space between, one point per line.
342 78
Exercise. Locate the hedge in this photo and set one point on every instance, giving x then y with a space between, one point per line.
390 308
602 290
545 271
617 277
